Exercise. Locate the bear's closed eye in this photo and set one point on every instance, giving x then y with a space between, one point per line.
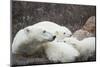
64 41
44 31
64 33
27 30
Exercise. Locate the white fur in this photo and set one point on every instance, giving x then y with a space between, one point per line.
86 47
60 52
67 31
62 33
55 29
29 39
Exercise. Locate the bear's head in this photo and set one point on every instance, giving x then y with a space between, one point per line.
39 34
63 32
66 31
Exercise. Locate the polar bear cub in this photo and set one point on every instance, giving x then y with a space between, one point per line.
29 39
86 47
60 52
55 29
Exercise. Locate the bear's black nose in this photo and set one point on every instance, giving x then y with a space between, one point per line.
54 37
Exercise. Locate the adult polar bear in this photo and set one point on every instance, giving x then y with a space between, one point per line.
29 39
60 31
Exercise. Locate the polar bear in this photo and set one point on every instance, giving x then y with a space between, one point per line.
60 52
30 39
86 47
55 29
